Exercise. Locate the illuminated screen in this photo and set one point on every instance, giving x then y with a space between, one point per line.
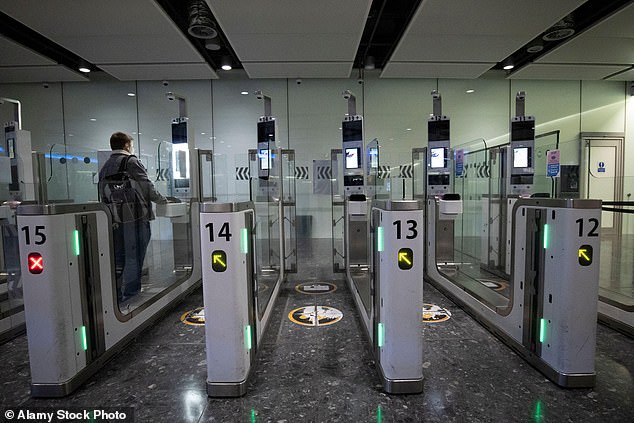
374 158
438 158
520 157
352 158
11 147
264 159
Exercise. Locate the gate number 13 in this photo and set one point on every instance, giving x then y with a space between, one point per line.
411 230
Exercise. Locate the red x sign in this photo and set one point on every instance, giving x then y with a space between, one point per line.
36 263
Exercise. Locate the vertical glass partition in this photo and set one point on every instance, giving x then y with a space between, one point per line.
337 208
289 201
266 197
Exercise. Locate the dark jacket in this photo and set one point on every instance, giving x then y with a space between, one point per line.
137 171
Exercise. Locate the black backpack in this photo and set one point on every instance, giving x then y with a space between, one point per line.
123 196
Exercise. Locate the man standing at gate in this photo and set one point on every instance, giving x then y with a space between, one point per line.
128 192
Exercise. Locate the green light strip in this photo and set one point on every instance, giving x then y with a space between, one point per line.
542 330
380 336
379 415
379 238
76 242
244 240
247 336
546 235
84 338
253 414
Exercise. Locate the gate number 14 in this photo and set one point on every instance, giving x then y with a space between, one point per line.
224 232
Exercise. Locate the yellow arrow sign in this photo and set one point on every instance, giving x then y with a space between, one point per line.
217 258
403 257
582 253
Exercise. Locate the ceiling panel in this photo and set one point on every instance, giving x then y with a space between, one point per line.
298 70
611 41
566 71
13 54
157 72
115 32
475 30
18 74
624 76
432 70
290 32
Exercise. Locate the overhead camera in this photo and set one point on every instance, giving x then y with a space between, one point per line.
165 83
359 81
521 95
259 95
170 96
346 94
298 81
45 84
435 94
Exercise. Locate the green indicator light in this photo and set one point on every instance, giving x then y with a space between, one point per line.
379 415
76 242
379 238
247 336
253 415
84 338
546 234
380 335
538 412
542 330
244 240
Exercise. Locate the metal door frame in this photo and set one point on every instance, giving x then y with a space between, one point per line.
597 137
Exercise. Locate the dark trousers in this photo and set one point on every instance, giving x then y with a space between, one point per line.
130 245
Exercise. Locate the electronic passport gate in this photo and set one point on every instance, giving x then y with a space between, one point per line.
550 319
395 325
229 295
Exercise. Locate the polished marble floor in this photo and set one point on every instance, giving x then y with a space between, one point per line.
327 374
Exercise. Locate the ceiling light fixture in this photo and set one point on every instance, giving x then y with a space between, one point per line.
508 67
84 69
131 94
212 45
244 92
469 91
93 120
535 48
225 63
369 63
561 30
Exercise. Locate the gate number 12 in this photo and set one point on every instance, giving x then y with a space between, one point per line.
593 231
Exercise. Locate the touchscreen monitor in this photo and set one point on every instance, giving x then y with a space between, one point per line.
520 157
264 159
352 158
438 158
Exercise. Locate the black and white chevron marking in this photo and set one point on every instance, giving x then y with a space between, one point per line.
163 175
405 171
301 172
242 173
477 170
383 172
324 172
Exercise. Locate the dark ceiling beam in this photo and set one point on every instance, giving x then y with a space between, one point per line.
25 36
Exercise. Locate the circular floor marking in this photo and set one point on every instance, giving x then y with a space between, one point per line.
306 316
494 285
195 317
316 287
435 314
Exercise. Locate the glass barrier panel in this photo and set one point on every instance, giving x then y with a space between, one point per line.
11 297
265 194
419 172
206 175
56 177
616 283
337 211
289 203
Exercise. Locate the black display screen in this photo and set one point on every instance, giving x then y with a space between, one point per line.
352 131
179 133
438 130
522 131
266 131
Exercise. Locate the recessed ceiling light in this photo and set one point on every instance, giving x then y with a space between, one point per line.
202 133
84 69
508 67
244 92
226 67
93 120
131 94
469 91
535 48
408 129
154 139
